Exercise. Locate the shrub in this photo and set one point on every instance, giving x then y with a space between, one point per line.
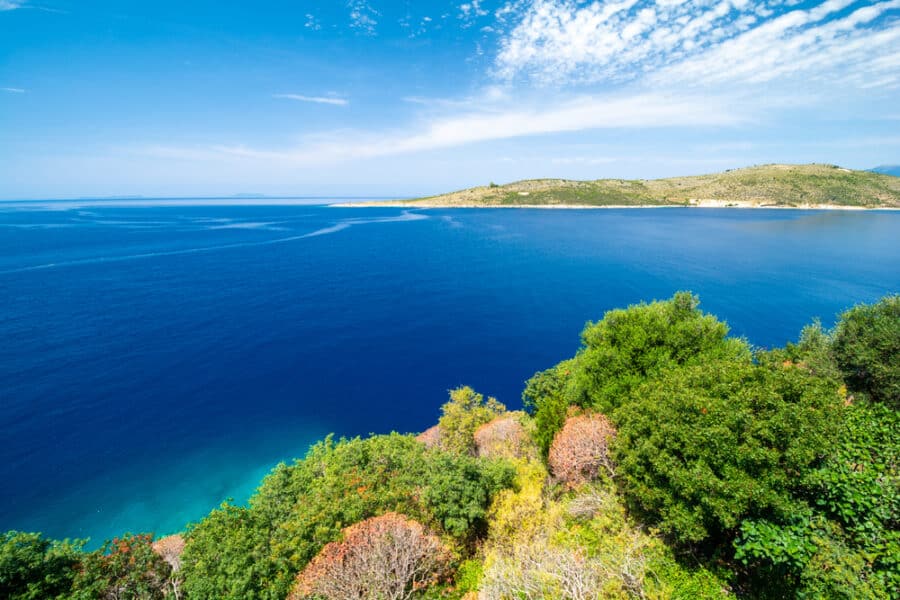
702 448
504 437
431 437
254 553
462 415
126 567
170 549
848 545
33 567
580 451
381 558
547 397
628 346
867 348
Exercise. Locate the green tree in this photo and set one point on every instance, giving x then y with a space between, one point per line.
547 397
867 348
702 448
33 567
462 415
628 346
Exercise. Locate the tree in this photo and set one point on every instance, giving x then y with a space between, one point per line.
547 397
867 348
33 567
462 415
389 557
581 449
629 346
125 568
702 448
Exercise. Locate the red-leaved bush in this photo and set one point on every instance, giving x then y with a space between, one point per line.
581 449
170 549
389 557
431 437
503 437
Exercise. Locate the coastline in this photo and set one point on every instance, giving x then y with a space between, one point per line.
697 204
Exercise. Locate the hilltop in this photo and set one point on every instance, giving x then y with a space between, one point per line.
783 186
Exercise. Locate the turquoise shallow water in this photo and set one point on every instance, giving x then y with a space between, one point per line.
156 360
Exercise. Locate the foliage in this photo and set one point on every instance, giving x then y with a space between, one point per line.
629 346
382 558
170 549
867 348
226 557
848 545
547 397
255 552
580 451
33 567
462 415
505 437
702 448
125 568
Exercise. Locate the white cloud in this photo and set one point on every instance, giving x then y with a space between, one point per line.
312 23
333 100
12 90
469 12
11 4
473 126
704 41
363 17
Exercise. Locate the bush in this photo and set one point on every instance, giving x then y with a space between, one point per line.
547 397
431 437
848 544
462 415
867 349
504 437
629 346
388 556
126 567
702 448
255 553
33 567
580 451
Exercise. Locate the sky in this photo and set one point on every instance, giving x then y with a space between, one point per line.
404 98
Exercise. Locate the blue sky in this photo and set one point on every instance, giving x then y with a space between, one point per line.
368 97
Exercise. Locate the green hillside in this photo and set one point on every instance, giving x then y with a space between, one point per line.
760 186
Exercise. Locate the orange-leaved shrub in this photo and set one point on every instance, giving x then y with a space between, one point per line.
580 450
389 557
431 437
504 437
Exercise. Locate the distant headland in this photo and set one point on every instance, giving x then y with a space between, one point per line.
813 186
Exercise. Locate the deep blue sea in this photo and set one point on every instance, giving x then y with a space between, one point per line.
158 359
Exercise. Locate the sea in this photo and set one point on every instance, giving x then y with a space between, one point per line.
158 358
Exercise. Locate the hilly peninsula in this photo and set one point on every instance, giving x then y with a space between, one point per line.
765 186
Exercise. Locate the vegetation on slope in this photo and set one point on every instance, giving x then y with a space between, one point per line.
664 460
766 185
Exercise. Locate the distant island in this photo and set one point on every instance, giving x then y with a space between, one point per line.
766 186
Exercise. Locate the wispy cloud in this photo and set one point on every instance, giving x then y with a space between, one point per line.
708 42
12 90
333 100
473 126
11 4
